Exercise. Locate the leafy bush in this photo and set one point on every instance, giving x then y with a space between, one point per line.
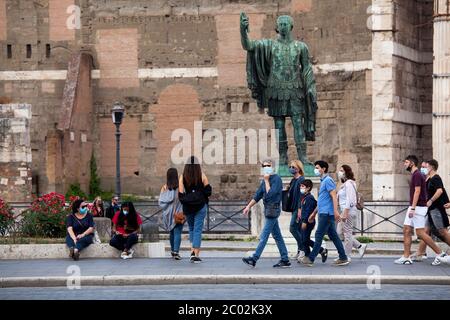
94 182
75 191
363 239
6 217
46 217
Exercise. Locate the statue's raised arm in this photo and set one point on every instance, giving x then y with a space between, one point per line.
245 41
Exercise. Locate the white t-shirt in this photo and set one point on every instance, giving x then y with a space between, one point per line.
347 198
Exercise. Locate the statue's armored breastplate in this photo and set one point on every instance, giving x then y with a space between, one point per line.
285 72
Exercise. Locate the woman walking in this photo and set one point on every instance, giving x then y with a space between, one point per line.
194 193
171 206
347 199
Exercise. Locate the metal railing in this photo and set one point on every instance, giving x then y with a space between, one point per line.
221 216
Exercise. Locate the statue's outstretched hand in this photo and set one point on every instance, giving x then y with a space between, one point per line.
244 22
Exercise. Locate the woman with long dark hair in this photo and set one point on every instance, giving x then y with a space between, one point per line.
347 199
126 225
194 191
80 229
171 206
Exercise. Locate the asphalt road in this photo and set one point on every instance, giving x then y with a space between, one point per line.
232 292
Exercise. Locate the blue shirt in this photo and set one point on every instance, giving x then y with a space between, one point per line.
308 204
294 193
324 201
274 194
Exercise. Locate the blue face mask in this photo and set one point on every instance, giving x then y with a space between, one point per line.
83 210
267 170
293 171
424 171
316 172
125 212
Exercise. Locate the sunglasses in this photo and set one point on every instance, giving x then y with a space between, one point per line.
266 165
292 167
82 207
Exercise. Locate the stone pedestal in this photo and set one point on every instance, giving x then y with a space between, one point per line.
150 232
103 227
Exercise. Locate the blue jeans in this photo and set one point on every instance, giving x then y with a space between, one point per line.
271 227
81 243
306 238
175 237
327 225
294 228
195 222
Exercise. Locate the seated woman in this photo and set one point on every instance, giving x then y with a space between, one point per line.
126 226
80 229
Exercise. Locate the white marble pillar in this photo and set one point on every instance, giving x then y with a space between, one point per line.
441 88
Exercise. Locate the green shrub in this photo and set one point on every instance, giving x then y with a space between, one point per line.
46 217
75 191
363 239
94 182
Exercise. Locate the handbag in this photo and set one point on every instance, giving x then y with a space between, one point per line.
272 210
286 201
178 216
359 199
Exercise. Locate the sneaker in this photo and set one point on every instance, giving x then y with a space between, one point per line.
192 256
76 254
172 253
403 260
195 259
324 255
307 262
437 261
300 254
418 258
362 250
340 262
130 253
176 256
123 254
444 258
282 264
71 252
249 261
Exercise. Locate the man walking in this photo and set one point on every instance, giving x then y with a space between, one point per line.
328 215
416 214
270 191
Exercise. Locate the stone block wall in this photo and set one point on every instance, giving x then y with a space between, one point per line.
15 152
145 51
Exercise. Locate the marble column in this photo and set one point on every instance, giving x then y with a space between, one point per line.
441 88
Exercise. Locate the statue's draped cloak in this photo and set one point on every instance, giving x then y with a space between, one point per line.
259 63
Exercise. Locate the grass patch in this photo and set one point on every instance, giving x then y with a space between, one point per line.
364 239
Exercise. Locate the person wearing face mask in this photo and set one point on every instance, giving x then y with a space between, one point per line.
127 224
416 214
113 208
80 229
307 207
347 199
294 197
270 191
438 221
327 209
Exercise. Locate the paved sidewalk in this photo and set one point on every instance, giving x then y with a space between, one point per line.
47 272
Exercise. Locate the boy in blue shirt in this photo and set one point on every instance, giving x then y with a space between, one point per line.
328 215
307 206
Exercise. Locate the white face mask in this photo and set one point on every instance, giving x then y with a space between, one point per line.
302 190
341 175
316 172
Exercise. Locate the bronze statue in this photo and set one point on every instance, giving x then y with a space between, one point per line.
280 77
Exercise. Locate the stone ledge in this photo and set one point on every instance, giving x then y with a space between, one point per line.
60 251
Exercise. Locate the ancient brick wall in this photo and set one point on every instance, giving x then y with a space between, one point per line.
15 152
139 48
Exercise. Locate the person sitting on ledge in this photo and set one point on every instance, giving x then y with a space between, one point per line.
126 226
80 229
